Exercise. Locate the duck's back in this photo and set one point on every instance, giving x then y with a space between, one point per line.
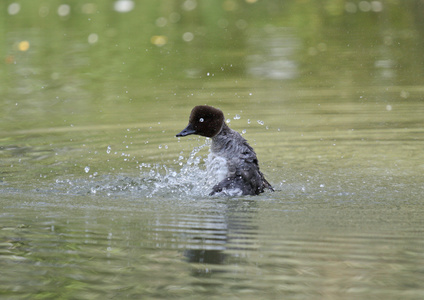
243 172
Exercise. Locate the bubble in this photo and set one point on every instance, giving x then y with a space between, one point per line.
88 8
174 17
43 11
188 36
13 8
404 94
189 5
350 7
93 38
161 22
123 6
364 6
376 6
64 10
241 24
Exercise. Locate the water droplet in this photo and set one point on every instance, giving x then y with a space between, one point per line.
63 10
124 6
161 22
87 169
13 8
188 36
189 5
261 122
93 38
237 117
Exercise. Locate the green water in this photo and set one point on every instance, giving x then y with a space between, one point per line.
99 199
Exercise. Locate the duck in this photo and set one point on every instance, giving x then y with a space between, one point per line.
238 167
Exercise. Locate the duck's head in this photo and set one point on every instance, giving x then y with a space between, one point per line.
205 121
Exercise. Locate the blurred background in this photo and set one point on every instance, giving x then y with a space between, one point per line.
89 60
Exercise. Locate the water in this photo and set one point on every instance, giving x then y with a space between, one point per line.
99 199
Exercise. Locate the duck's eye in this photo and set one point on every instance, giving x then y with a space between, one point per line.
201 120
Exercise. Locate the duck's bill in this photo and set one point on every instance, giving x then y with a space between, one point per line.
187 131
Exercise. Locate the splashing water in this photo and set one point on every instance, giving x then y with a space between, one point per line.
190 180
155 180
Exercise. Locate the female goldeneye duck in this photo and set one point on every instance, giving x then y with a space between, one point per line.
239 170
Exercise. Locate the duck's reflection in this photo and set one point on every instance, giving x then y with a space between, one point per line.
215 243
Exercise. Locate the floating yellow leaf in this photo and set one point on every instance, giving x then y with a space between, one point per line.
23 46
159 40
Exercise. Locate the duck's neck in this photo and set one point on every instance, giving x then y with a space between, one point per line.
220 141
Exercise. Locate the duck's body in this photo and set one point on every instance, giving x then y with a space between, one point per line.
236 160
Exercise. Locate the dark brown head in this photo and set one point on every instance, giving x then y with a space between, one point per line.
205 121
